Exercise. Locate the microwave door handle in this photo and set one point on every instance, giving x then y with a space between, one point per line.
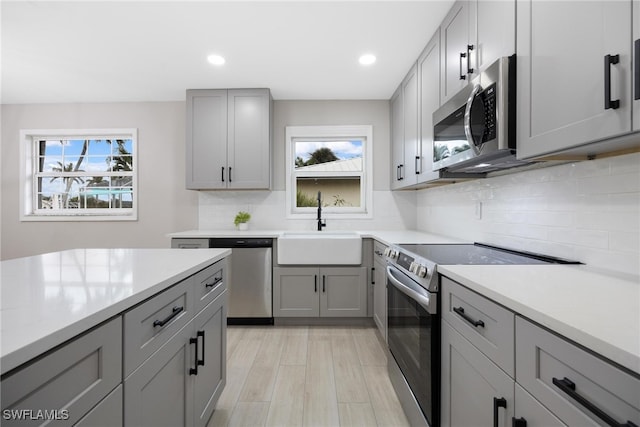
467 120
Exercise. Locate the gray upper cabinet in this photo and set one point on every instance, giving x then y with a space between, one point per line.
429 97
565 68
228 139
404 131
636 65
397 138
473 35
458 32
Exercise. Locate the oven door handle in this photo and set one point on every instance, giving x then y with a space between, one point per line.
467 120
424 300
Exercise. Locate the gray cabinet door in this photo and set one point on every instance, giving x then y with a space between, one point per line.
558 373
159 392
429 84
561 82
410 124
380 291
496 22
295 292
108 413
397 138
636 65
470 383
343 292
210 329
73 378
249 136
457 32
529 410
206 157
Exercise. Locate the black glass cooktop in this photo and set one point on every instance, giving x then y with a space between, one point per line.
478 254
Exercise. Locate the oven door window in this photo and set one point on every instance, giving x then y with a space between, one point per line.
413 336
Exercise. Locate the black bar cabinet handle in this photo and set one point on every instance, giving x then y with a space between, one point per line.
373 275
222 174
461 313
469 49
194 370
215 282
462 55
324 280
229 173
315 283
518 422
401 172
569 387
418 165
498 402
636 66
176 310
200 362
609 60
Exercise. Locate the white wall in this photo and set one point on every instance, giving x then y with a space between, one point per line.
391 210
165 205
588 211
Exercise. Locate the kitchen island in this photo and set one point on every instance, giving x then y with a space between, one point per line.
109 314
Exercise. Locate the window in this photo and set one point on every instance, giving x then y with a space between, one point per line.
333 162
79 174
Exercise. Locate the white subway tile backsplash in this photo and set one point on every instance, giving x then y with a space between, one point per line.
588 211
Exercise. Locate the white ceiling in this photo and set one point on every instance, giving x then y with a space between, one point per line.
89 51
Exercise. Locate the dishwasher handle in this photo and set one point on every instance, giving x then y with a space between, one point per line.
232 242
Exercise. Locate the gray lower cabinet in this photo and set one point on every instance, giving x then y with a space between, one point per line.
210 328
475 391
68 382
553 383
181 382
159 392
574 384
320 291
531 413
380 289
107 413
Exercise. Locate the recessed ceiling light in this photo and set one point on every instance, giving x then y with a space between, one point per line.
367 59
215 59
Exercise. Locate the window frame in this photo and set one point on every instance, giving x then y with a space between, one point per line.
296 133
29 173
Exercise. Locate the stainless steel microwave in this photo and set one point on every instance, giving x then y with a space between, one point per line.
474 132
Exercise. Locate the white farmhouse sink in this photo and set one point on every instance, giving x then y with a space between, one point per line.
320 248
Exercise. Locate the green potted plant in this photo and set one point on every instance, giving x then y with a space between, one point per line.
242 220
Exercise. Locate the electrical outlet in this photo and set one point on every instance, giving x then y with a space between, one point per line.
478 210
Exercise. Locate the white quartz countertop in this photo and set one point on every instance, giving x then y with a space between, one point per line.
385 236
594 309
50 298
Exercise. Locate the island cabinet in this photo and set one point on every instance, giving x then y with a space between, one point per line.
228 139
320 291
499 368
175 353
574 86
77 382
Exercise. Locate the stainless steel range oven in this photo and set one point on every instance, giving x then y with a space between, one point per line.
413 317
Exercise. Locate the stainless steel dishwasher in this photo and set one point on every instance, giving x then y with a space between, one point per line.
250 285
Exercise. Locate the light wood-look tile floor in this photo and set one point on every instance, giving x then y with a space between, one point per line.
306 376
